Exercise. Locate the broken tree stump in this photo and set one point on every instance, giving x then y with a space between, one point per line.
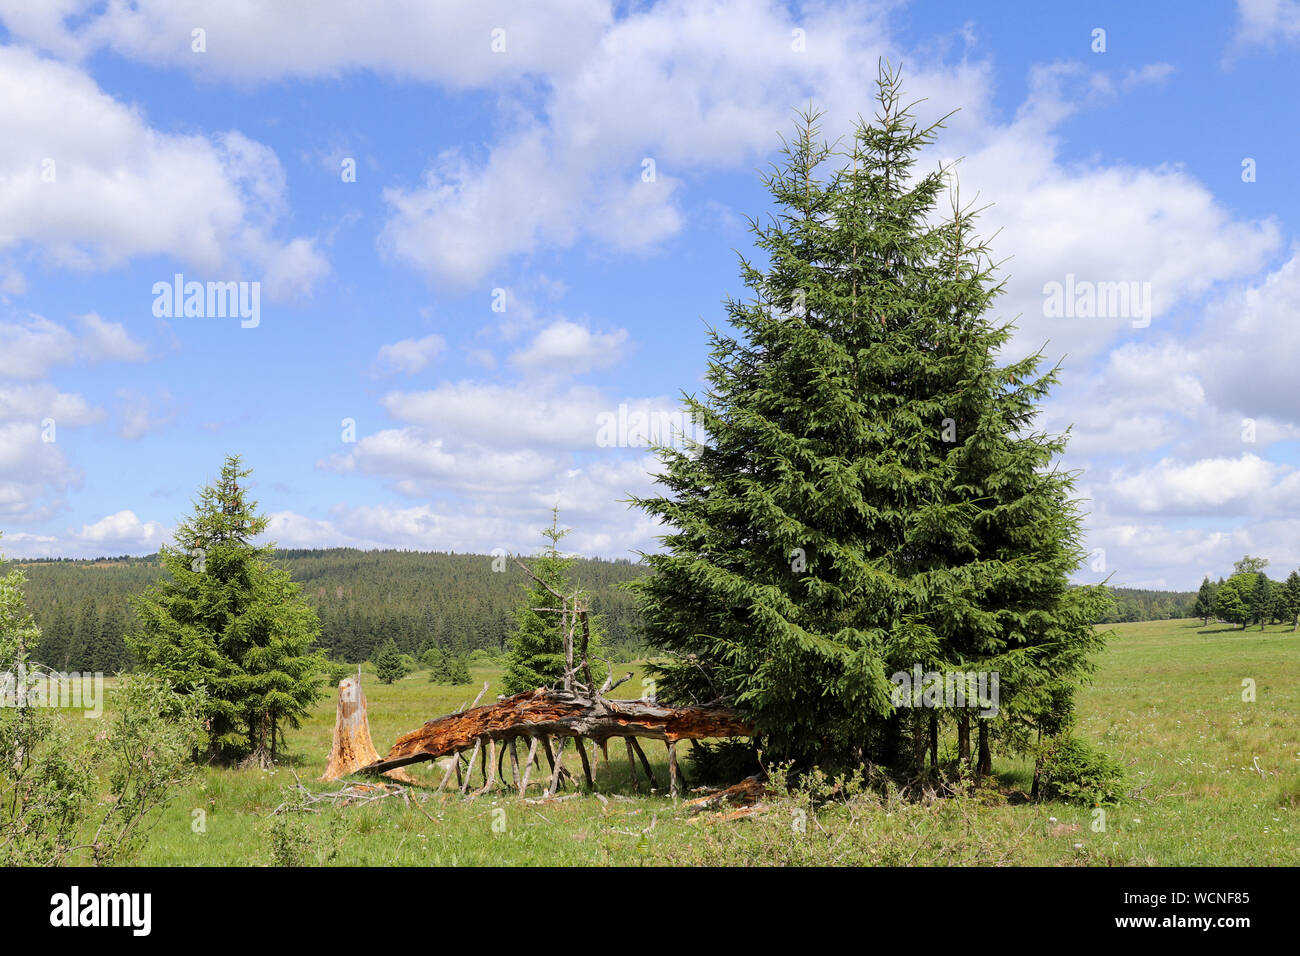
352 748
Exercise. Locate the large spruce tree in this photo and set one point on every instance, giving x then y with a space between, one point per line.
226 619
872 492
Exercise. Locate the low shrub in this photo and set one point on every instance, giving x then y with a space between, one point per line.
1077 772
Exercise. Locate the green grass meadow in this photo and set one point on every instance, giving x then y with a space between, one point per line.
1217 782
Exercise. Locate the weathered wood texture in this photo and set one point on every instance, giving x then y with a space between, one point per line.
561 714
579 710
352 748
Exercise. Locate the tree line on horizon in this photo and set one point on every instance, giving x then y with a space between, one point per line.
453 602
1249 596
447 602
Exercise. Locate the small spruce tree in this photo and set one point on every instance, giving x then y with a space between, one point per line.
1291 598
1204 607
1261 600
389 665
229 621
535 646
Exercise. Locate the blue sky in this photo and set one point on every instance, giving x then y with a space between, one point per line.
128 156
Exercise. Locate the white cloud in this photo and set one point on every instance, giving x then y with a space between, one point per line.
122 530
1153 74
508 521
37 402
419 461
1220 387
450 43
565 347
108 341
24 544
504 455
87 181
1246 350
34 475
12 282
694 88
1144 554
1244 483
536 414
30 348
409 355
684 85
461 221
1266 23
420 527
139 414
1095 221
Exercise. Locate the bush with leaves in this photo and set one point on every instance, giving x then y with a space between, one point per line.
52 771
1076 772
51 776
336 671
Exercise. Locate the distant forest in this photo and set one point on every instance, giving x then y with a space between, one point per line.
1135 604
420 599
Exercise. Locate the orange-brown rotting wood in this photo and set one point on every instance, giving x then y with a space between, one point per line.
560 714
543 714
579 710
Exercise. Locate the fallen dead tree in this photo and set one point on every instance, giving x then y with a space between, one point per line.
578 711
534 717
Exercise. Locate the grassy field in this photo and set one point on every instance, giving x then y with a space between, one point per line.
1217 781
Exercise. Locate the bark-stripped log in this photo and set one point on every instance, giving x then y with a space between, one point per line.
528 765
674 774
586 764
631 764
645 761
560 714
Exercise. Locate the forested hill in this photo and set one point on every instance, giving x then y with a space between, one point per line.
419 598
